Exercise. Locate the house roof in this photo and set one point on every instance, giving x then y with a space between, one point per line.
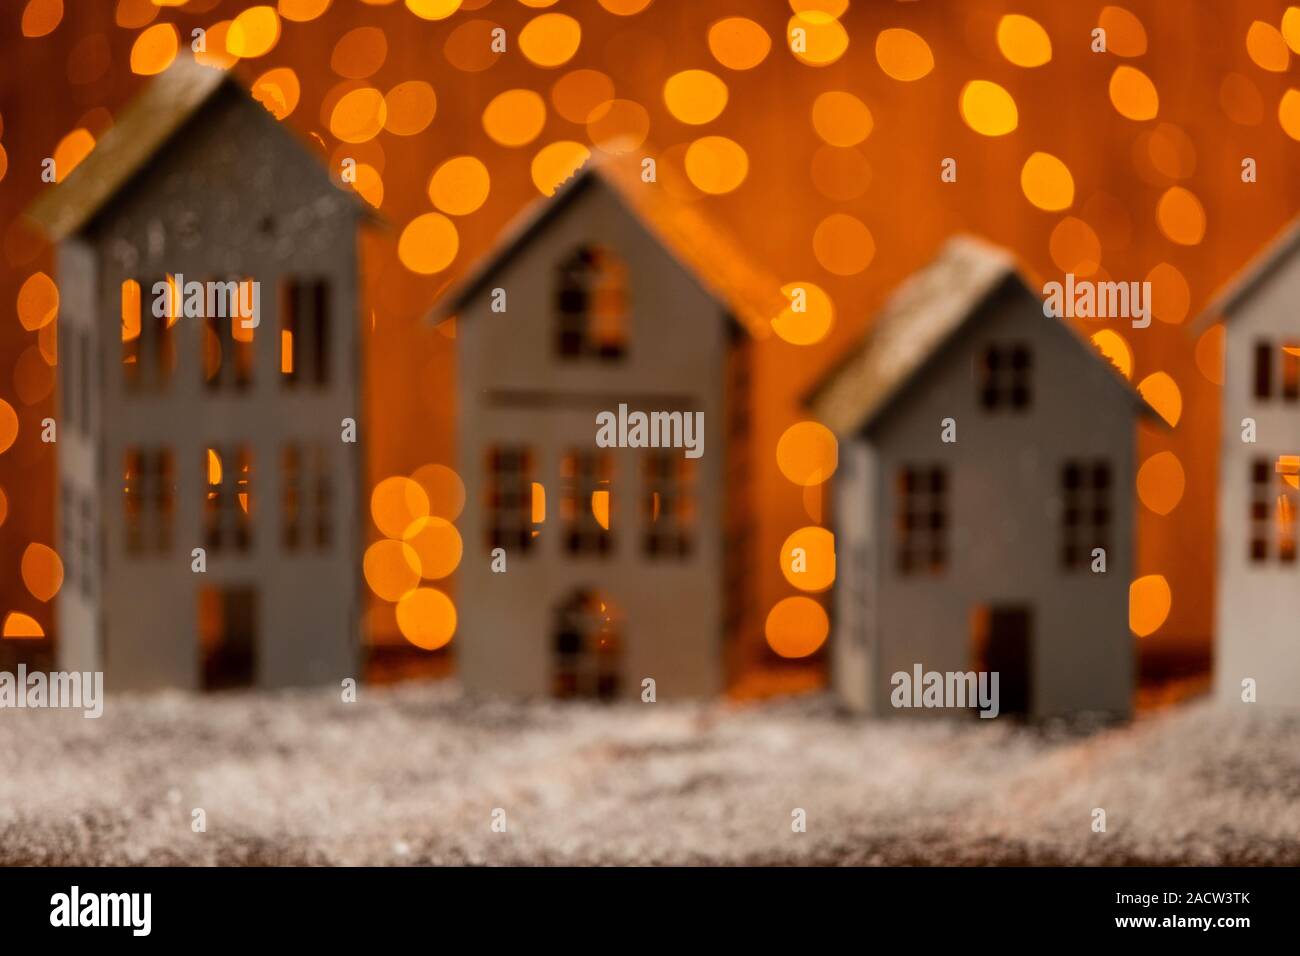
711 255
142 129
1252 276
922 315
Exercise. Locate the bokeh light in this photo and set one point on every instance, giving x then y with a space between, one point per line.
1149 601
427 618
807 316
903 55
738 43
796 627
988 108
813 569
1046 182
460 185
428 244
807 453
42 571
1023 41
1161 481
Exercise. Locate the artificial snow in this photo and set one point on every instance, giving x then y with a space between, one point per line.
412 775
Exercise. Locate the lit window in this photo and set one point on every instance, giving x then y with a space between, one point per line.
228 502
591 304
228 334
922 519
1274 495
1085 512
148 340
669 504
587 648
1291 372
586 503
512 500
304 332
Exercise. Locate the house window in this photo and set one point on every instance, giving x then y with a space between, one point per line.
307 496
922 519
515 503
1291 372
587 502
1274 494
149 498
228 506
669 503
1005 377
148 340
228 334
304 332
591 304
586 648
1263 370
1085 512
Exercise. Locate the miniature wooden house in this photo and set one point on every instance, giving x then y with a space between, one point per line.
208 506
590 569
986 461
1257 603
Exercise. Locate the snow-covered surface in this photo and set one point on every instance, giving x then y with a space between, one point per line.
412 774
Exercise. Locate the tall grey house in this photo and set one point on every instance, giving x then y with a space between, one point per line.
190 428
980 553
1257 604
589 569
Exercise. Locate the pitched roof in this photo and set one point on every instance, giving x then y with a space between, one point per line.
142 129
923 314
711 255
1252 276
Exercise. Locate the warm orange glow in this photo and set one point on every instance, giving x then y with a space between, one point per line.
716 164
1288 466
551 39
38 301
1161 482
8 426
254 32
1113 345
1149 601
134 14
42 571
1133 94
1288 113
302 11
1023 41
808 315
1209 353
359 115
796 627
4 506
445 490
903 55
409 108
515 117
359 53
391 568
428 244
1046 182
843 245
600 507
278 90
433 9
70 151
286 351
1171 298
1075 247
738 43
988 108
807 453
1125 35
460 185
841 119
1267 47
695 96
427 618
1162 394
618 126
815 38
41 17
577 94
1180 216
808 559
396 503
555 163
539 503
22 627
214 467
437 544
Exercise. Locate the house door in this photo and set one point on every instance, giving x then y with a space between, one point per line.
1003 643
227 637
586 648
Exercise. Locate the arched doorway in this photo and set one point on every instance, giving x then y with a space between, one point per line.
586 648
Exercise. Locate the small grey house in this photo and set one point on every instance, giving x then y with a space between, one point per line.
1257 604
185 422
979 553
587 568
